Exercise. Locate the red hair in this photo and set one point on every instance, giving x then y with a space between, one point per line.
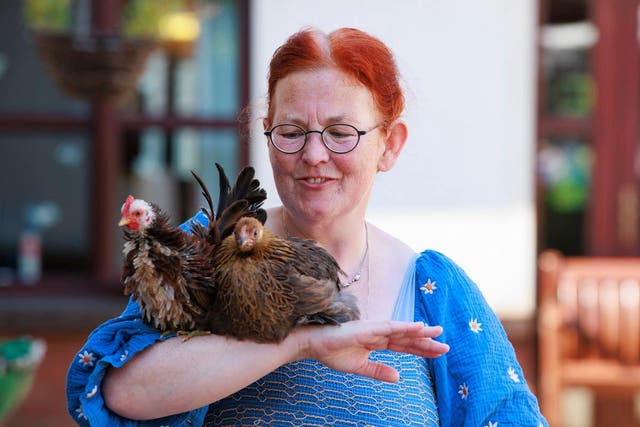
353 52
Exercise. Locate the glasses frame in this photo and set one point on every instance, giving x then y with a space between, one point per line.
360 133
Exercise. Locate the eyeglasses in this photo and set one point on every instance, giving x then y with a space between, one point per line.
339 138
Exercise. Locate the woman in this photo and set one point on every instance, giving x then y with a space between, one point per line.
333 123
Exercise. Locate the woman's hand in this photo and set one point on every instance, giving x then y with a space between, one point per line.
347 347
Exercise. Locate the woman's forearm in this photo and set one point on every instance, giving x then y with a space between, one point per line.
173 376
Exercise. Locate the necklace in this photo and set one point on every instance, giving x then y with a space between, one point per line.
358 275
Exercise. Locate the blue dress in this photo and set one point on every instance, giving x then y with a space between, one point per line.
479 382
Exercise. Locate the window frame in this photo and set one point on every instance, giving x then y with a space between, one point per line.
107 124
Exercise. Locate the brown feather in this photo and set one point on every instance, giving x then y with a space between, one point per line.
170 271
263 293
156 272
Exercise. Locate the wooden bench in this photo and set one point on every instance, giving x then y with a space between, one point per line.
589 333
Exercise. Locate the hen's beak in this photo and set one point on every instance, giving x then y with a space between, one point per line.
123 222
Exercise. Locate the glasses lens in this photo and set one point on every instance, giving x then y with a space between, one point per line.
288 138
340 138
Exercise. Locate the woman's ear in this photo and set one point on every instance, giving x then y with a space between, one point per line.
394 142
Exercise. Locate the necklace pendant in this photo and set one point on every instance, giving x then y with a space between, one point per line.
350 282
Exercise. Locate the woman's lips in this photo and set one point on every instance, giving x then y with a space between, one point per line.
315 180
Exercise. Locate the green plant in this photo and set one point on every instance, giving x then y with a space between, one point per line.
19 360
48 15
140 18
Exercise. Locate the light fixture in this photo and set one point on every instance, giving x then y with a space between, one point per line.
179 31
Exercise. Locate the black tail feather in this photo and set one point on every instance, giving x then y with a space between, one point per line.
244 199
246 187
207 196
225 187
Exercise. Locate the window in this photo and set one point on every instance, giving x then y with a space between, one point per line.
65 181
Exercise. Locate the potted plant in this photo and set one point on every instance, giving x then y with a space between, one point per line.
19 361
91 65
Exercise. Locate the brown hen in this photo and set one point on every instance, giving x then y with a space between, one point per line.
267 285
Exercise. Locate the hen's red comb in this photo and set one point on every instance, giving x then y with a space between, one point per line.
127 205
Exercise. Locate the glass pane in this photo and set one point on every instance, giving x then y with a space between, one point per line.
567 38
565 177
45 189
160 169
25 85
218 63
569 85
204 84
215 147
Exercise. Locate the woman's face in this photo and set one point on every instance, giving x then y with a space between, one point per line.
316 183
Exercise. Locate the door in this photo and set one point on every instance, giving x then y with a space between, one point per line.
588 164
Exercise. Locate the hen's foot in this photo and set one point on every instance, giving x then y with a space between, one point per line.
187 335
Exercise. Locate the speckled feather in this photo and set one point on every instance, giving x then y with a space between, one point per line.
170 272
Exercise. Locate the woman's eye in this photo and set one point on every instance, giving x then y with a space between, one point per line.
292 135
340 132
339 135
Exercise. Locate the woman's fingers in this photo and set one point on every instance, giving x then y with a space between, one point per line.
414 338
347 347
425 347
378 371
394 328
419 329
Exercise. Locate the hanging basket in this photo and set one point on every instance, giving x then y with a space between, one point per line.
94 67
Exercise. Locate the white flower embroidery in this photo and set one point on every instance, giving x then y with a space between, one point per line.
86 358
429 287
124 355
80 413
475 326
492 424
512 374
93 392
463 391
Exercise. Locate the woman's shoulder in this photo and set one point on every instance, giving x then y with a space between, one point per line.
394 248
435 270
390 248
436 262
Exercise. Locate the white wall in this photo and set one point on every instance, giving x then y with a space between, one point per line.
464 184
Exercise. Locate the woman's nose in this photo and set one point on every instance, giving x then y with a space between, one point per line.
314 150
